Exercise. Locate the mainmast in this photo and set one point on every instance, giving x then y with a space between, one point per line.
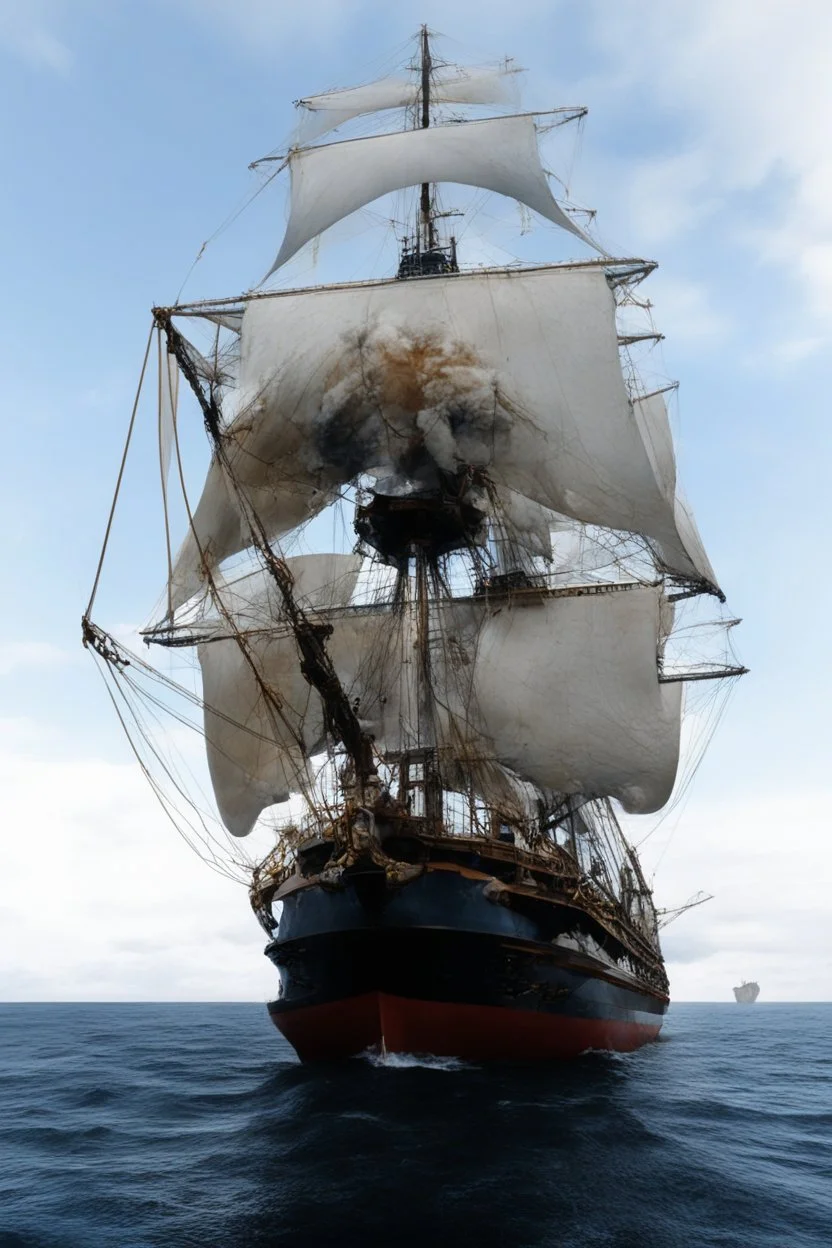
427 64
424 255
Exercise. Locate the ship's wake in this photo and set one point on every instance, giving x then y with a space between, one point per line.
407 1061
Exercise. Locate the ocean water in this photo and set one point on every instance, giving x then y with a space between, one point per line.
160 1126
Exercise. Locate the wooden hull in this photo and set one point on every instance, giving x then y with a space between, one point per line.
436 967
386 1023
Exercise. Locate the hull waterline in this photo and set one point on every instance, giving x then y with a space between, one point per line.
437 968
393 1024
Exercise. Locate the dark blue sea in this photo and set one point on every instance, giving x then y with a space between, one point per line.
134 1126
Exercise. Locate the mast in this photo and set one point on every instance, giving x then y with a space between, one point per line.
427 64
425 255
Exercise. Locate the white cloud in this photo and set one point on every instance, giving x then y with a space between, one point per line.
28 31
767 859
750 83
685 310
264 26
21 733
668 195
103 901
19 655
785 353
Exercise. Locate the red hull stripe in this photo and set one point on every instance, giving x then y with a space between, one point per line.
473 1032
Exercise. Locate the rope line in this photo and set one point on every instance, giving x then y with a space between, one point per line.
120 478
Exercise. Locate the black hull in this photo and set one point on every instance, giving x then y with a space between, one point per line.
436 966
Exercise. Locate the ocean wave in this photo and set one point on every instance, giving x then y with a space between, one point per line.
168 1140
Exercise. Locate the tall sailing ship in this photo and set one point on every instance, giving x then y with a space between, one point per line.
435 722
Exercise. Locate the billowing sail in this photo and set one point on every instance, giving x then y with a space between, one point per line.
221 520
258 744
651 414
499 154
513 373
262 719
563 691
449 85
259 757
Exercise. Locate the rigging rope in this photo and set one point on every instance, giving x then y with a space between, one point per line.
130 428
246 202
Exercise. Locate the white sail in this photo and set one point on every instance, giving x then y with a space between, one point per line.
226 319
689 536
563 691
220 522
515 373
253 601
449 85
651 413
257 754
566 693
519 524
499 154
258 746
256 749
168 401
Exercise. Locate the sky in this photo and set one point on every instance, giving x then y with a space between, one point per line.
129 125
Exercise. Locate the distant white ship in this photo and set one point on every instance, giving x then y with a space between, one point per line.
747 993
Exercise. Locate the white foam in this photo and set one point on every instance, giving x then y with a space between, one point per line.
406 1061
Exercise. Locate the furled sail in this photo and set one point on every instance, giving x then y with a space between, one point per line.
513 373
499 154
564 692
168 401
449 85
